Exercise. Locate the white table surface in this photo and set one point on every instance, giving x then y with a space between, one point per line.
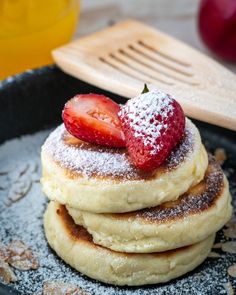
175 17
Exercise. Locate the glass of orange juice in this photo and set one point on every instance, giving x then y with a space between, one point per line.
30 29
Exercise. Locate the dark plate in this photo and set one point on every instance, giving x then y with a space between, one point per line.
33 101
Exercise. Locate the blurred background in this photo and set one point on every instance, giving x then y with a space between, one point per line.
30 29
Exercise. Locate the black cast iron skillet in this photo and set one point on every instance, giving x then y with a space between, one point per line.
33 101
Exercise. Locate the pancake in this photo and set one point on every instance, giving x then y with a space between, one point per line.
75 246
197 214
102 180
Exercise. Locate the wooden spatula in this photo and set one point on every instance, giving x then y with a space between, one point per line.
125 56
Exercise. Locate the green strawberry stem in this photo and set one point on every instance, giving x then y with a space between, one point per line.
145 89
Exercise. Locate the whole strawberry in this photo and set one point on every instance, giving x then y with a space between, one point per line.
153 124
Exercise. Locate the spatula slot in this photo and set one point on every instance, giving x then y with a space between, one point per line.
167 56
140 70
151 55
152 66
122 70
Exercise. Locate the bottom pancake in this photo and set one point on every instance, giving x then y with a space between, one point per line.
75 246
194 216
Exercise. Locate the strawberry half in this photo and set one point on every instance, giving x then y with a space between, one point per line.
153 124
94 118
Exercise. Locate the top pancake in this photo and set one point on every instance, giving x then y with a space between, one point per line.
98 179
81 159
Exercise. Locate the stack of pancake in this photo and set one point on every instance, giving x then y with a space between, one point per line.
122 226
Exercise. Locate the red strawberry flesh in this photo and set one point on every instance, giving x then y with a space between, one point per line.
94 118
153 124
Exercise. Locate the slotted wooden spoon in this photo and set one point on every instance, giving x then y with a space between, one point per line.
123 57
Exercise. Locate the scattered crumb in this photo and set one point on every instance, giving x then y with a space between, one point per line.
22 179
229 288
17 255
21 257
217 246
4 252
213 255
229 247
6 274
59 288
230 232
232 270
231 222
220 155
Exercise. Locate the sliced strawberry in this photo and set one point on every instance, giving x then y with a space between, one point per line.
153 124
94 118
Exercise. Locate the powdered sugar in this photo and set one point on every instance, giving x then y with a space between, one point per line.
198 200
90 160
141 112
87 159
182 150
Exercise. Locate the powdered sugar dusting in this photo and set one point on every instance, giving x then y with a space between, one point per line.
89 160
196 200
147 106
180 152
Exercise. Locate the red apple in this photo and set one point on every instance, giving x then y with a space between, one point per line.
217 27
